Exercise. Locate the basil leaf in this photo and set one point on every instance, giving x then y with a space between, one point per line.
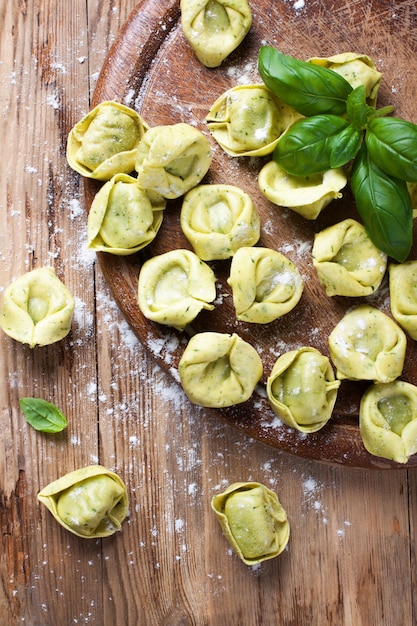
306 146
385 206
392 143
356 107
43 415
345 146
310 89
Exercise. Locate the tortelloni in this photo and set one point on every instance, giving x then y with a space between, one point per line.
253 521
248 120
123 217
265 284
346 260
219 370
172 159
218 220
403 295
302 389
90 502
37 308
367 345
104 142
306 195
357 69
412 190
214 28
388 420
174 287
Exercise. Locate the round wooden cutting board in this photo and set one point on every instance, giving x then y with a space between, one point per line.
152 69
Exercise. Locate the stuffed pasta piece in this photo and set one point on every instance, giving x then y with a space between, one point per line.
253 521
123 217
367 345
403 295
174 287
214 28
388 420
172 159
302 389
217 220
104 142
305 195
265 284
37 308
346 260
357 69
90 502
219 370
248 120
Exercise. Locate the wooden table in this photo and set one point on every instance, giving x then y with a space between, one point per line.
351 558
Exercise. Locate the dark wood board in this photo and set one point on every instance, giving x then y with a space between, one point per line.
152 68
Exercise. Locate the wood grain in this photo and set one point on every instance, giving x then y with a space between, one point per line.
351 556
153 66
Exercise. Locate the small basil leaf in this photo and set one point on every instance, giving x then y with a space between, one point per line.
310 89
392 143
306 147
345 146
384 204
356 107
43 415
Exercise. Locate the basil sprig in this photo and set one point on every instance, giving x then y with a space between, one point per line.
309 89
43 415
340 128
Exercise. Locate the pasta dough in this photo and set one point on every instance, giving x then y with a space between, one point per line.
403 295
219 370
367 345
307 195
248 120
253 521
302 389
214 28
123 217
219 219
265 284
388 420
37 308
104 142
172 159
346 260
174 287
90 502
357 69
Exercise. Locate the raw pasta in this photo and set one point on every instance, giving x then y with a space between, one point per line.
388 420
265 284
307 195
302 389
346 260
174 287
214 28
37 308
219 370
357 69
171 160
248 120
218 220
90 502
123 217
104 142
403 295
253 521
367 345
